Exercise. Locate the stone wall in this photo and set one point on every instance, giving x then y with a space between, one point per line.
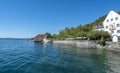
113 47
89 44
79 44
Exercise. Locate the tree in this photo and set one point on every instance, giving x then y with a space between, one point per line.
83 31
98 35
81 34
48 35
55 36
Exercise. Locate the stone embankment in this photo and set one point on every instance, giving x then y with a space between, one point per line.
113 47
89 44
79 44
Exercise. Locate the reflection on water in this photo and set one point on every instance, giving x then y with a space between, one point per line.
22 56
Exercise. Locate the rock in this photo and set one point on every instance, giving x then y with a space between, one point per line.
99 46
113 47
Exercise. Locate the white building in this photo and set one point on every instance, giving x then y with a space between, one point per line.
111 24
46 40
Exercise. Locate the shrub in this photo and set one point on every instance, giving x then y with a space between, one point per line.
97 35
103 43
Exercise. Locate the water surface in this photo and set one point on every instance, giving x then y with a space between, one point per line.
23 56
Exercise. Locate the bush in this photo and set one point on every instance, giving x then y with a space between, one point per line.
81 34
103 43
97 35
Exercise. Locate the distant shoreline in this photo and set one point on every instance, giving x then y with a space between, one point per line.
14 38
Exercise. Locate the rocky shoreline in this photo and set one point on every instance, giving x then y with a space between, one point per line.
89 44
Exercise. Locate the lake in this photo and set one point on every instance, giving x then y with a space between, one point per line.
23 56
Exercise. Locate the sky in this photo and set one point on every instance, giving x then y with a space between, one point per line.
27 18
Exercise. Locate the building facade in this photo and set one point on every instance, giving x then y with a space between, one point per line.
111 24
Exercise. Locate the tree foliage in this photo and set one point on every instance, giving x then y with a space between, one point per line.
81 34
98 35
83 31
48 34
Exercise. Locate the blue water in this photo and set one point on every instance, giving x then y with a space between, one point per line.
23 56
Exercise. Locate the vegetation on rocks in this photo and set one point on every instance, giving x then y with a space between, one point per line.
100 42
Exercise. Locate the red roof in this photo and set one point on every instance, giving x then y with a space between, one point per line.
41 36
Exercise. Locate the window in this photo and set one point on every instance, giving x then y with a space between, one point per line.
118 31
116 18
118 25
106 27
111 19
112 31
107 20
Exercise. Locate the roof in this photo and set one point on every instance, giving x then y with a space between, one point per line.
41 36
118 12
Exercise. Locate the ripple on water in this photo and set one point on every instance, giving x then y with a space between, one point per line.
22 56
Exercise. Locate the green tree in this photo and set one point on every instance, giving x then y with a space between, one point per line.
84 31
81 34
48 34
98 35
